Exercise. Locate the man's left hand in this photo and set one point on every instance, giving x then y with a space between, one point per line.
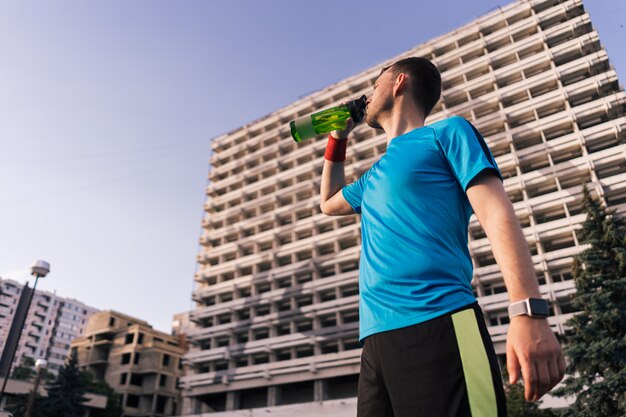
532 345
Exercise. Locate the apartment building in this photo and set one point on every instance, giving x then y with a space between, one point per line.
276 298
140 363
52 322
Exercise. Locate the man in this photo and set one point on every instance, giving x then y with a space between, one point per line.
426 349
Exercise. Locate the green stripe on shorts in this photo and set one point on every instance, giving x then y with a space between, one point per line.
480 390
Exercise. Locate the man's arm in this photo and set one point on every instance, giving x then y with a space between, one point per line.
531 344
332 201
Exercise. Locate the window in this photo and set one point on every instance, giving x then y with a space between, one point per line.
129 338
166 360
136 379
349 316
349 290
260 334
328 321
304 352
304 301
163 380
136 358
283 329
304 326
161 403
283 355
263 310
125 358
350 344
329 347
132 400
140 338
327 295
260 359
123 378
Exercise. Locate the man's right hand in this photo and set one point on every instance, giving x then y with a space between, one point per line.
343 134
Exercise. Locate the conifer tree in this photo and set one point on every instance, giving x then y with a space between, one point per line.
66 395
596 348
516 404
113 407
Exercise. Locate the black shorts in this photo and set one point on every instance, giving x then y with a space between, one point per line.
442 367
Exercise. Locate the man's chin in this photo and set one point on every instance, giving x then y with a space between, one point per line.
372 123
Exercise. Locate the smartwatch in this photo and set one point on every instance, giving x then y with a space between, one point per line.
533 307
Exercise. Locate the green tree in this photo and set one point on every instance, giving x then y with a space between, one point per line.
19 403
25 370
66 395
596 348
516 404
113 407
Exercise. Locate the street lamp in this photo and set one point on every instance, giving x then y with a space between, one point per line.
40 365
38 269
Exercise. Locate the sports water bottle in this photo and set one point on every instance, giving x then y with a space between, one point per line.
327 120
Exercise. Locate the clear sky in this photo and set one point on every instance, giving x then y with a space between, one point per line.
107 109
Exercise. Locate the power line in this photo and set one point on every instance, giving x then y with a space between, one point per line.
95 185
104 154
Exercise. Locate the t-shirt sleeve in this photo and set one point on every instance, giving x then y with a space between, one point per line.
353 193
466 151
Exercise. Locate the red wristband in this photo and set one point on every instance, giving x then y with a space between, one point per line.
336 149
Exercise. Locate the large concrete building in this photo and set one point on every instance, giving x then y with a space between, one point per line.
140 363
50 326
277 290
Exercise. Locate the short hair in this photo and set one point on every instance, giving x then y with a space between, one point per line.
425 80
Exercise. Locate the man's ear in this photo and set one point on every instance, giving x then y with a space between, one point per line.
400 83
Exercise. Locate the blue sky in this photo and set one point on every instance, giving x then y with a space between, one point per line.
107 110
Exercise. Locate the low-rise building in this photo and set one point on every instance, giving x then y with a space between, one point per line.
140 363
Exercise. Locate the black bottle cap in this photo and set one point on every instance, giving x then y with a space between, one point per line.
357 109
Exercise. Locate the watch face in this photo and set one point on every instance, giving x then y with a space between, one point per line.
538 307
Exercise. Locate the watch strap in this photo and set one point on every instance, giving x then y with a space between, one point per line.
525 307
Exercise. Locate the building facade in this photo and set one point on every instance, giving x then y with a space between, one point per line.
140 363
277 285
52 323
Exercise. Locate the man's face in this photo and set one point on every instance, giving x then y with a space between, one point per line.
380 102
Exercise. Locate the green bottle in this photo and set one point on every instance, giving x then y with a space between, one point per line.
327 120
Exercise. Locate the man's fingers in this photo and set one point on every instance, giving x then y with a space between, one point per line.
343 133
512 365
555 376
543 378
530 379
561 364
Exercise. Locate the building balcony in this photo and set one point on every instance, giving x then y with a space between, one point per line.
309 365
493 271
247 281
310 311
551 291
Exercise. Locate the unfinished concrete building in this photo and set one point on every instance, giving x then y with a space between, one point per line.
277 290
141 364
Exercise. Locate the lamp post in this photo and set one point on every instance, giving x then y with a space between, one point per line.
38 269
40 365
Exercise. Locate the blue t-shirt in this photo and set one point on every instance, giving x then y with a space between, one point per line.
415 263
